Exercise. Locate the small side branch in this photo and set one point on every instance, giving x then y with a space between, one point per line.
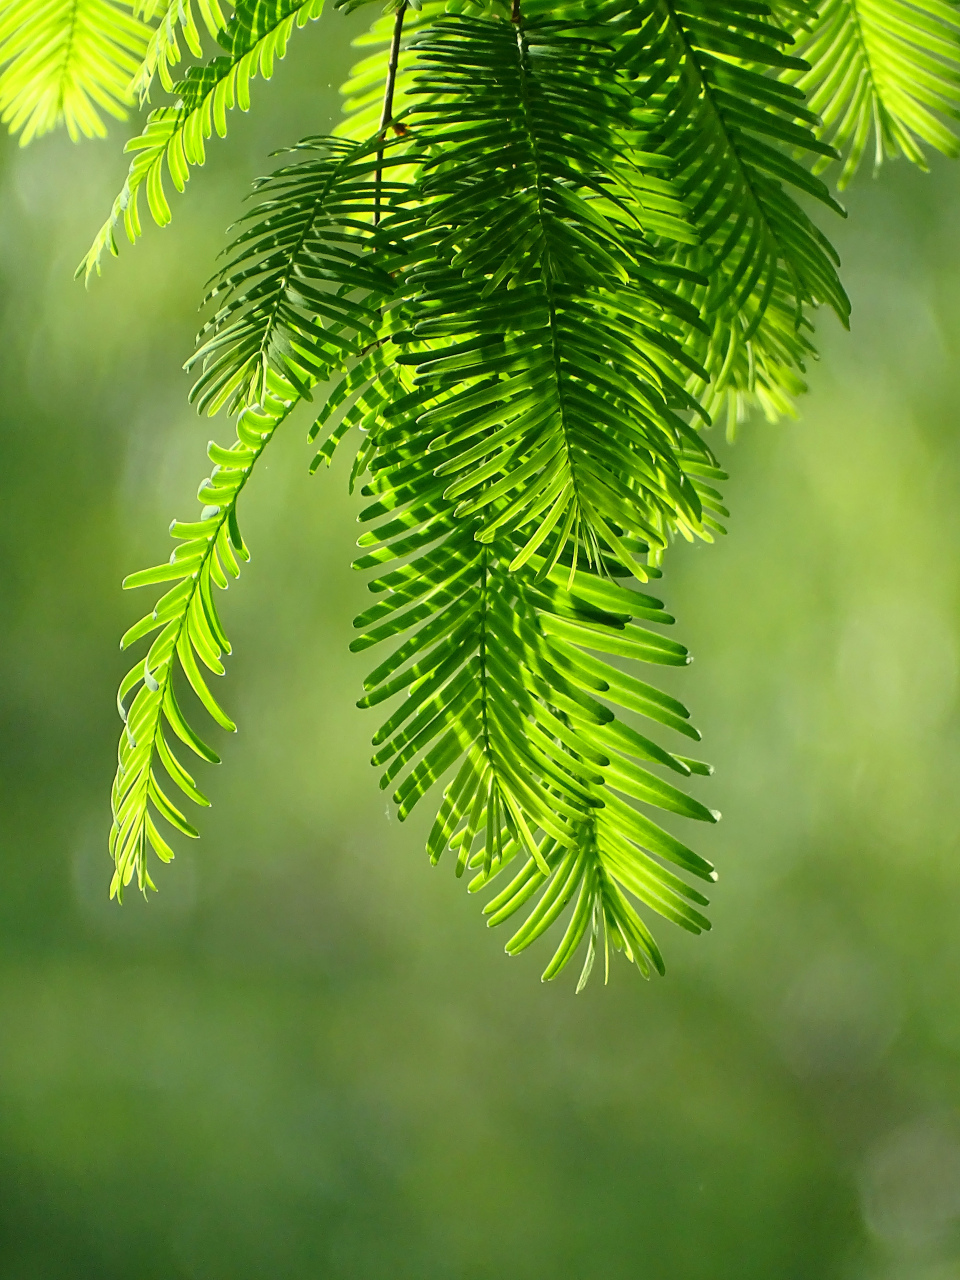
386 115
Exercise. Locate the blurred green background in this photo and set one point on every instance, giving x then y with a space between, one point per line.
306 1057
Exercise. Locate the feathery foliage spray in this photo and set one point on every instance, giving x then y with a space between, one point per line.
548 246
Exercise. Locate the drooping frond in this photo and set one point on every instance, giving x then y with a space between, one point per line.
67 62
174 19
550 240
302 285
731 127
174 137
301 297
495 670
192 641
529 427
544 306
886 70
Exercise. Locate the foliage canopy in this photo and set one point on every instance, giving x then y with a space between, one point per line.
547 247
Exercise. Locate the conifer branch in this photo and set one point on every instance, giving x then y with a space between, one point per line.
191 638
548 244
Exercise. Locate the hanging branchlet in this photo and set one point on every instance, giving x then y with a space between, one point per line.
547 246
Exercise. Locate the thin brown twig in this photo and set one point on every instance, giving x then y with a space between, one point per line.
386 115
